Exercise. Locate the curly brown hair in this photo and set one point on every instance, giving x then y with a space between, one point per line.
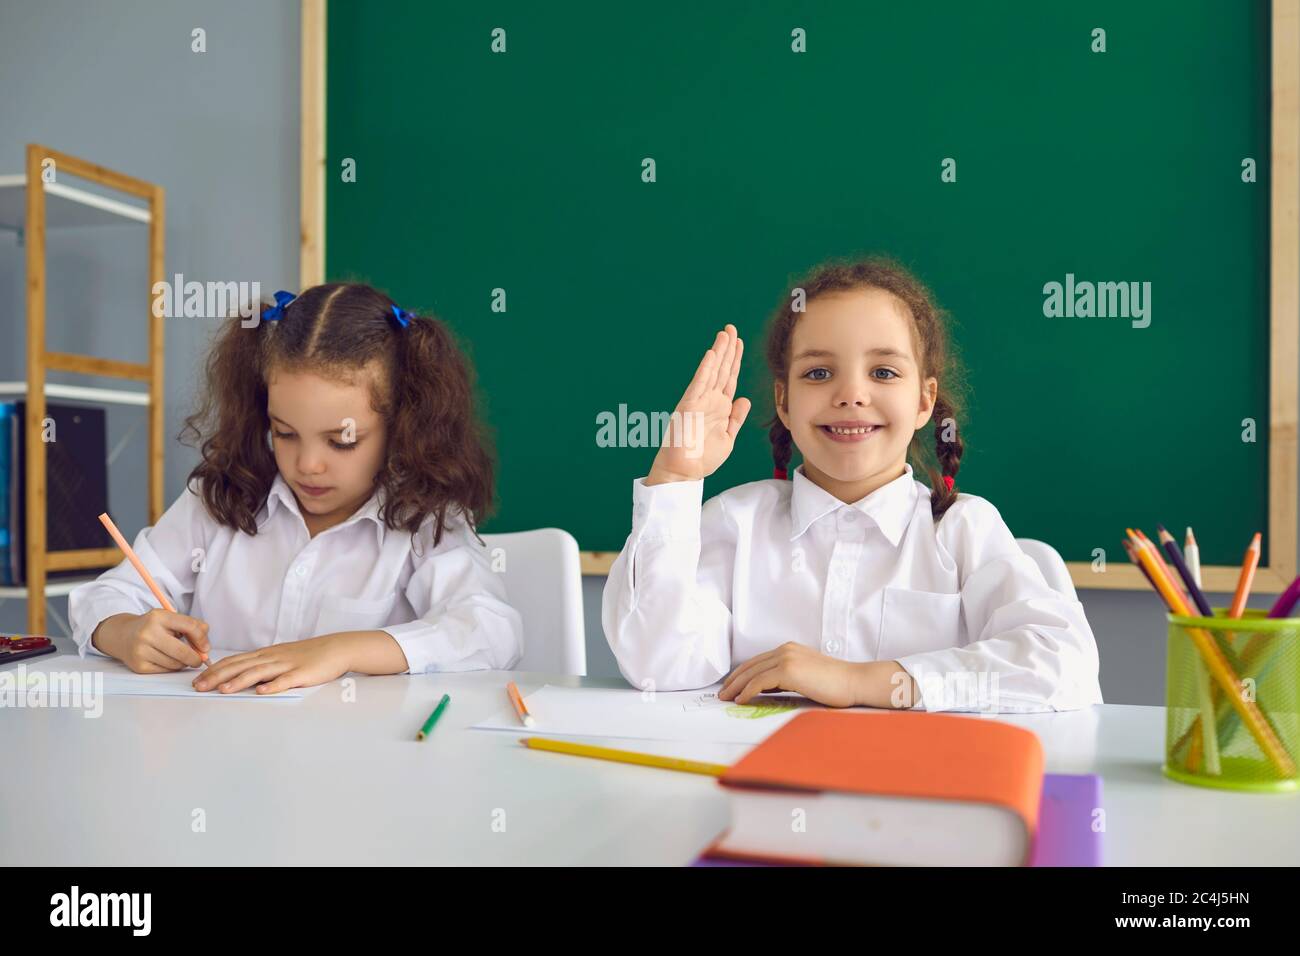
438 452
935 354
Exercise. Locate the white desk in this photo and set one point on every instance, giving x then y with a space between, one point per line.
324 781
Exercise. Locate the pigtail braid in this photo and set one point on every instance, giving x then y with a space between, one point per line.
781 441
948 448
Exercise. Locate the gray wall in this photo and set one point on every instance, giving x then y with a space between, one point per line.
118 84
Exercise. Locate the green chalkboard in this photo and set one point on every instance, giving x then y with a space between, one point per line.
522 170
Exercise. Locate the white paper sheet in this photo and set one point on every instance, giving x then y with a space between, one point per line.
120 680
695 715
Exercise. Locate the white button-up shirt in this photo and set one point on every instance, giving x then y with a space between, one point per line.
699 589
444 606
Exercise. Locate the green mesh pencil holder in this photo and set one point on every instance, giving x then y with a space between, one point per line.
1233 702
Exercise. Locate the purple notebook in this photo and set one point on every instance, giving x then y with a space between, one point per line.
1066 836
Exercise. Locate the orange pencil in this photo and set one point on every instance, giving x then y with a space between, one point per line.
1248 566
127 550
516 698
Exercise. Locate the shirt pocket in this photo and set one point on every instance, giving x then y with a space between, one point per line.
916 621
352 614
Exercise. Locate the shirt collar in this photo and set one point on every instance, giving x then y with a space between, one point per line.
281 496
890 506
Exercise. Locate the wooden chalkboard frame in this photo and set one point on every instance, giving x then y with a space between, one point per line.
1284 294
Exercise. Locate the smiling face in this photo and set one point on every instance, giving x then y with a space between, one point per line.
329 443
855 395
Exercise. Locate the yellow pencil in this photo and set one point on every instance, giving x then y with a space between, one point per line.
1170 573
1204 732
624 756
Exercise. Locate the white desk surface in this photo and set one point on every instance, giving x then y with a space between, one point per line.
325 781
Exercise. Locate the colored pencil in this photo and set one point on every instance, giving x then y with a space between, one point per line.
131 556
1205 739
1169 572
1282 607
1192 553
1205 699
1132 556
517 700
624 756
433 718
1248 565
1175 556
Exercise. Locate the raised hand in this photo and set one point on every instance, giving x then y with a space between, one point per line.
705 423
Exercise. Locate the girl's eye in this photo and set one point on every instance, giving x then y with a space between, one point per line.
889 372
284 435
810 374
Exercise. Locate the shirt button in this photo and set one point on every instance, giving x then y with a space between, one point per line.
832 646
302 570
849 515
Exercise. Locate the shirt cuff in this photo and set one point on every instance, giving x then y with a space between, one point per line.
918 703
947 682
413 638
669 510
944 683
483 634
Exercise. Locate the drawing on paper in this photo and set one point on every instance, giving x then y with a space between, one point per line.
752 711
767 708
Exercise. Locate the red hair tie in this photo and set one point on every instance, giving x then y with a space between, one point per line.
779 473
947 480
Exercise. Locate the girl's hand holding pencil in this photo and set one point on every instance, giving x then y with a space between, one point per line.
149 643
703 428
153 642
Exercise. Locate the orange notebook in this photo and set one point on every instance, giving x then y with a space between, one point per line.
907 788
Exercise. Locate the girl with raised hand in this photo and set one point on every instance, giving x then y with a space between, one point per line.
851 582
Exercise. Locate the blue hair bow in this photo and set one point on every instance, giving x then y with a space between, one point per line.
402 317
276 312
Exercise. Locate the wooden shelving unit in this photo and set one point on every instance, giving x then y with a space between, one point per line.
30 206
